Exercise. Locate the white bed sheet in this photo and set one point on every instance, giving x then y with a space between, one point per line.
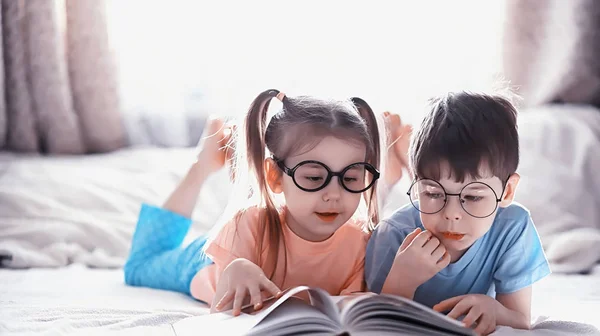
76 298
88 301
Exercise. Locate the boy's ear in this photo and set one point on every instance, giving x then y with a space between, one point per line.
274 176
509 190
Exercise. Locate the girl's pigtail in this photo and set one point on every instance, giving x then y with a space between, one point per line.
374 158
256 126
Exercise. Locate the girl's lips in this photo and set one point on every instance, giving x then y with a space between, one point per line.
453 235
327 216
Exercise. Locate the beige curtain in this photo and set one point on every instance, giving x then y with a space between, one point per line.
552 50
58 78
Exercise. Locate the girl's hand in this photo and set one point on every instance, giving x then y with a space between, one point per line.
240 279
480 310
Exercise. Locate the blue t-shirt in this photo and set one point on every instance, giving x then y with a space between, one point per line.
509 257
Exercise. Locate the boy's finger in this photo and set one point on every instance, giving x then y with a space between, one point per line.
409 239
438 253
447 304
459 310
445 261
431 245
422 238
471 317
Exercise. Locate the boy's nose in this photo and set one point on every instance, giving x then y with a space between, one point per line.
453 210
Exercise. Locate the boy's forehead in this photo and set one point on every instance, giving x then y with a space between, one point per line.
449 181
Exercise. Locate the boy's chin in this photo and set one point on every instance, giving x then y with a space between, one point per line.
458 245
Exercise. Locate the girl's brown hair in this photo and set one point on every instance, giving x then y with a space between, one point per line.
301 123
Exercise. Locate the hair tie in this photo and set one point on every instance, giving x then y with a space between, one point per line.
280 96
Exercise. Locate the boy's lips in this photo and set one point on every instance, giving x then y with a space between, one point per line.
452 235
327 216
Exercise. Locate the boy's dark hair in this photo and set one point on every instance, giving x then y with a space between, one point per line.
468 131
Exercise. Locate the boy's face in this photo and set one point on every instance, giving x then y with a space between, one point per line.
456 228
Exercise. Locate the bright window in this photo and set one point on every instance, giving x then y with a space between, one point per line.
174 55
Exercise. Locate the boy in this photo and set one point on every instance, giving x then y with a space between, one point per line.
462 245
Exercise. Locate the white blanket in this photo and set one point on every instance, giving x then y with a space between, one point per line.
79 300
61 210
560 158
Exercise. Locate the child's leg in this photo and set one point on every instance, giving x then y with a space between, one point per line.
156 259
212 155
398 140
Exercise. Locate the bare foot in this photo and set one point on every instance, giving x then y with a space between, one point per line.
229 149
398 140
402 145
213 149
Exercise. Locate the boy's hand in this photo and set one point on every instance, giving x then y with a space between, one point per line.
240 279
422 256
481 311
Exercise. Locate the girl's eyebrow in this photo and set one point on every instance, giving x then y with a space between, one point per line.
356 167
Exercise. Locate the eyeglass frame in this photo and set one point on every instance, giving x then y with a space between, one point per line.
498 200
330 174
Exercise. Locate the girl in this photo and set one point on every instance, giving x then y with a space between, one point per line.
303 228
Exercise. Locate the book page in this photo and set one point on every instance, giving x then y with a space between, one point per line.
326 303
388 312
228 324
295 316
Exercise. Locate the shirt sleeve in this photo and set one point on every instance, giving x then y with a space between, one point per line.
237 239
523 262
383 245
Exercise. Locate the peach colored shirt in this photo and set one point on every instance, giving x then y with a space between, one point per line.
335 265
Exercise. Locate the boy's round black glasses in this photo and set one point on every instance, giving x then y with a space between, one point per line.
477 199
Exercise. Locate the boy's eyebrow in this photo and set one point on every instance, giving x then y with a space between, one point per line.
478 187
430 183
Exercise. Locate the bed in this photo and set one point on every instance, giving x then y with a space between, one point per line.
81 300
66 224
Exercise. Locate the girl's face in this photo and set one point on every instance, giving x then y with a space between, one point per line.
315 216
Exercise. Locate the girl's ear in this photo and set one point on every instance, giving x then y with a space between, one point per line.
510 190
274 176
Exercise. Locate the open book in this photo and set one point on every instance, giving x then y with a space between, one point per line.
322 314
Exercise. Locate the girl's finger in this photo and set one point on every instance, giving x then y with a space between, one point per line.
269 286
225 300
238 301
255 296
